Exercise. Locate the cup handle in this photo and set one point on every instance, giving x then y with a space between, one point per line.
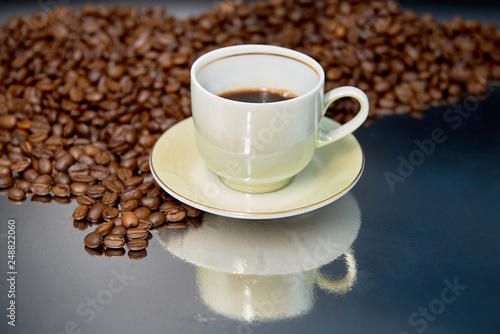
327 137
342 285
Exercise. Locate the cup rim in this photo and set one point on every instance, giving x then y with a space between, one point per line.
235 50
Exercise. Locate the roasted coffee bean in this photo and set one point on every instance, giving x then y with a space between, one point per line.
157 218
30 174
129 220
103 158
164 196
78 188
44 178
41 189
110 213
119 230
61 178
86 160
154 192
6 181
78 169
142 212
176 214
136 233
113 166
145 186
133 181
168 206
64 162
93 240
91 150
190 211
114 186
60 190
5 162
118 221
124 174
145 223
82 178
16 194
20 165
129 205
96 190
152 203
85 200
143 165
109 198
131 194
23 184
114 241
105 228
44 166
4 170
130 164
95 212
99 172
137 244
80 212
8 121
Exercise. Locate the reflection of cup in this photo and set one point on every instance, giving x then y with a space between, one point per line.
259 147
267 297
264 270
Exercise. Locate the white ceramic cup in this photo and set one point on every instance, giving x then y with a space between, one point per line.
259 147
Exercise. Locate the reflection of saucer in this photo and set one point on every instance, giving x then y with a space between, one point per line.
252 270
178 168
250 247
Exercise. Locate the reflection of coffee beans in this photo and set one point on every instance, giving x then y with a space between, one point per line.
137 244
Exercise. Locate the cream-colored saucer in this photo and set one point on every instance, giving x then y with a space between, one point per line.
178 168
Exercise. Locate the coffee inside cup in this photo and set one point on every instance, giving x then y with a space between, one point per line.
258 95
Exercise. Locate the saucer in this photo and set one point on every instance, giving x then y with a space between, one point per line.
178 168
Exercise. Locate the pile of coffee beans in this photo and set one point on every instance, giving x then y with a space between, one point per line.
85 94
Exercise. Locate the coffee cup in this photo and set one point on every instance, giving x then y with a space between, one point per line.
253 144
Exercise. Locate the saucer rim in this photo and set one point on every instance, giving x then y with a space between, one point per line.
255 215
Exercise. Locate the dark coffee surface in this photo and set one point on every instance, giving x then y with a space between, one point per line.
257 95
